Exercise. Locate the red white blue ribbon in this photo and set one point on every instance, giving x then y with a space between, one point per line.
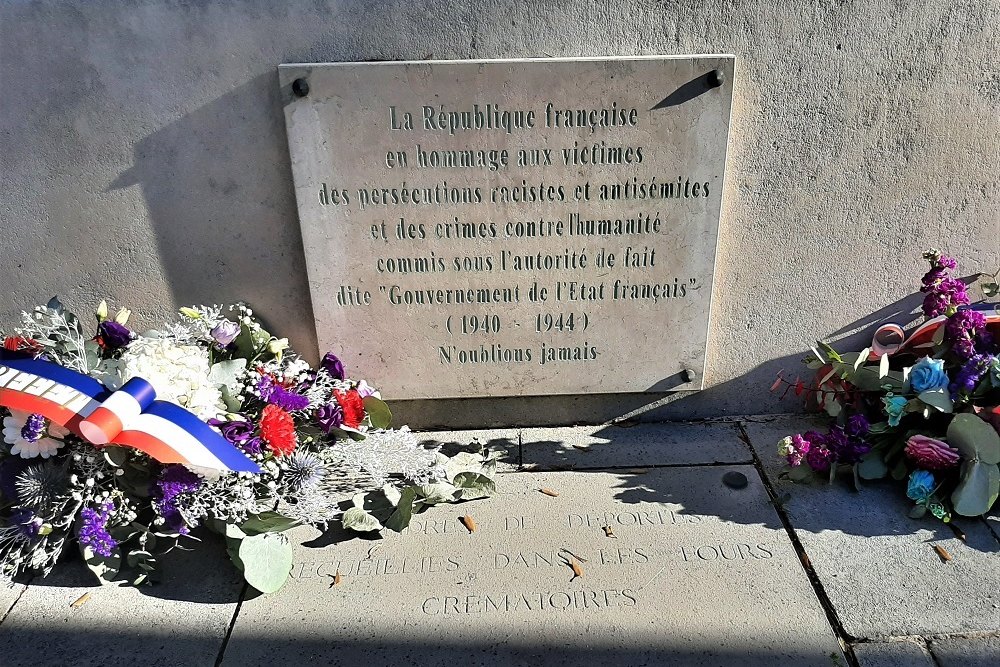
891 338
130 416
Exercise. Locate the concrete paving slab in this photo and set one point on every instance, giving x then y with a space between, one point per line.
182 621
688 572
878 566
893 654
504 441
972 652
8 596
612 446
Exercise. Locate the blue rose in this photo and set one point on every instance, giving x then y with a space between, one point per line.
920 487
894 406
928 374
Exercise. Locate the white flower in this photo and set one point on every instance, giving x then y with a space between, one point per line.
45 446
178 373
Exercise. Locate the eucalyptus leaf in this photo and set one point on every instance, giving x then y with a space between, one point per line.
918 511
400 519
899 471
267 522
374 502
232 401
872 466
232 531
116 456
472 485
978 490
267 560
937 398
433 494
359 520
975 438
106 568
233 549
392 494
137 556
227 373
378 412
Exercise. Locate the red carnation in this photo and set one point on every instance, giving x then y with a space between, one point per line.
352 405
278 430
22 344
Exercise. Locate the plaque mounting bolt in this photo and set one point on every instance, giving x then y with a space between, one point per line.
688 375
300 87
715 78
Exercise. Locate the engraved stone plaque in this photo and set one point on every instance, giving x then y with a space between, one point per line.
666 566
521 227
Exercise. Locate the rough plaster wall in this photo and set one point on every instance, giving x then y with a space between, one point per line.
144 159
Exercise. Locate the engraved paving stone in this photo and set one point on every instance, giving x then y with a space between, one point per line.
513 227
667 566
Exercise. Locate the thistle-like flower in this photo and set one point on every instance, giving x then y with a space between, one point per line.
303 471
41 486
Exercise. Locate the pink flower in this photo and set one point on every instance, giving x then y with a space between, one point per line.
930 453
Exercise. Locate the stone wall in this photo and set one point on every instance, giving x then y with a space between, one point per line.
144 159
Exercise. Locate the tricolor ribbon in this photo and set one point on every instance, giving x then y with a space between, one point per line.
130 416
890 339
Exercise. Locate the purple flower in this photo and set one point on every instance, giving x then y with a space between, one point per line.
94 529
174 480
944 293
288 401
969 375
330 416
819 458
252 446
236 432
265 387
113 336
846 448
857 426
962 330
332 365
239 433
34 427
27 522
225 332
933 278
936 304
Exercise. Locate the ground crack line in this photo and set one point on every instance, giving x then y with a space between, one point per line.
843 637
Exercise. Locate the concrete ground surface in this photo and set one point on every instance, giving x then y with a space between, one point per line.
646 544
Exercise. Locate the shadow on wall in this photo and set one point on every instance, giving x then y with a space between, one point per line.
217 184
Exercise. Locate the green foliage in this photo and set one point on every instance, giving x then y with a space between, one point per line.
267 522
979 444
872 465
106 568
378 412
267 560
360 520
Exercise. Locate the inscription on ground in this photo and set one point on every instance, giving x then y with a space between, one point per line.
518 216
666 563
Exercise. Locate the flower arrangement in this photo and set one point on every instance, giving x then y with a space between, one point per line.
923 407
293 445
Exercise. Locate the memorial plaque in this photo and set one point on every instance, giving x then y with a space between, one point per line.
667 566
517 227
